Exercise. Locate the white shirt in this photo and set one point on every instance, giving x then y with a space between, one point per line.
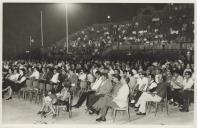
35 74
152 85
14 77
188 83
175 81
54 79
82 76
90 78
22 79
97 83
142 82
122 96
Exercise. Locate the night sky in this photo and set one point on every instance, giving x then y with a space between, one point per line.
20 20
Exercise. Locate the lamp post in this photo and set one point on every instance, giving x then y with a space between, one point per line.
30 44
66 29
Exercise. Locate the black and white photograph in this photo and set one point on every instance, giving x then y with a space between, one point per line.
98 63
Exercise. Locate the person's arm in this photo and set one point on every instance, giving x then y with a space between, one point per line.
189 85
32 75
22 80
179 82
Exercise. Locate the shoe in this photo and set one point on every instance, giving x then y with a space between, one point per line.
175 104
170 102
140 113
184 110
40 112
67 110
101 119
136 110
54 115
93 111
76 106
180 106
132 105
9 98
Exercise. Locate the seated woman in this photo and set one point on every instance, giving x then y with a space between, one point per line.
15 85
59 98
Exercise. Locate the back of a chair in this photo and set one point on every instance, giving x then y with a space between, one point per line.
29 84
83 84
35 84
48 87
42 86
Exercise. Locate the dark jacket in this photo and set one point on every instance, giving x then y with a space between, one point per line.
162 89
56 89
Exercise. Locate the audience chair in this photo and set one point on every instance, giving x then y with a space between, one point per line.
59 107
126 109
83 88
162 103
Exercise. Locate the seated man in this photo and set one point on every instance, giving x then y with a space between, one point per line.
187 92
104 89
85 95
17 84
156 96
118 98
176 86
142 84
73 78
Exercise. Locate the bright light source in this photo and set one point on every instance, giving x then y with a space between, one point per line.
108 17
71 7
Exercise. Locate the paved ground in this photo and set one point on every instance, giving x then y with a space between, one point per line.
19 111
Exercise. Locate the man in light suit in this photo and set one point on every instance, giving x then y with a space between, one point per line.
118 98
104 88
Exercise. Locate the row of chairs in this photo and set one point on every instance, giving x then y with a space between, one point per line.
163 103
35 90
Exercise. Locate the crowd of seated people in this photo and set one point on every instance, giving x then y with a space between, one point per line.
172 24
106 83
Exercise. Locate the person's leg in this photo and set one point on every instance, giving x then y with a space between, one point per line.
145 98
176 97
88 95
104 109
81 99
109 104
9 93
42 109
141 98
169 93
137 96
185 100
93 99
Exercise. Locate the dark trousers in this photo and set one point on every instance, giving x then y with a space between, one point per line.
93 98
187 96
176 95
169 93
110 103
137 96
84 96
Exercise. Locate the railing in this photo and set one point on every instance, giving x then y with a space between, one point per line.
176 46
